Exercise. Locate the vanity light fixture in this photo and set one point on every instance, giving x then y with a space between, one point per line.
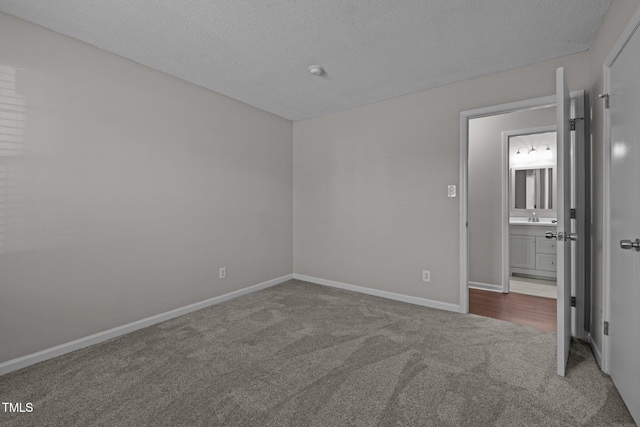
546 154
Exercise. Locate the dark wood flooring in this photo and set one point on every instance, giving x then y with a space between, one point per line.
518 308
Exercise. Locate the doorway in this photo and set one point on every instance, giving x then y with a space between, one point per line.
529 205
491 243
509 152
511 197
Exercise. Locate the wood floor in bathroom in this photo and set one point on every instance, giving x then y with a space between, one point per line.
518 308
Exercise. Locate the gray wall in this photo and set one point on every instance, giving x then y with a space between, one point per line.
127 190
485 188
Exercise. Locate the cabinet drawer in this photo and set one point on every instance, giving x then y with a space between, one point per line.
546 262
546 246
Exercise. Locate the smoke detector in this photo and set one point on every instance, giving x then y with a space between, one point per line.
316 70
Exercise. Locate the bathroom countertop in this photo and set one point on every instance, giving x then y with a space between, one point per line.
544 222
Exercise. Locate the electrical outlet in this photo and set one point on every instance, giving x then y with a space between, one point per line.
426 276
222 273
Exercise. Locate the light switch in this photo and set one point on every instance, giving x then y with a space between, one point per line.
451 191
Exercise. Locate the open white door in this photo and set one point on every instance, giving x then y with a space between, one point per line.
564 236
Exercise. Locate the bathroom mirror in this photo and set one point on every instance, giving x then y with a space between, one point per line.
532 188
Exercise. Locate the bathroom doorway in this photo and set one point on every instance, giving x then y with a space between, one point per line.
506 157
529 211
484 256
499 147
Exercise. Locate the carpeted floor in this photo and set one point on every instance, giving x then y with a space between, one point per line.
299 354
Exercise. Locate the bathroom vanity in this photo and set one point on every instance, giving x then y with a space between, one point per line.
530 253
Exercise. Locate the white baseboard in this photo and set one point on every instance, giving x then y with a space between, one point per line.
30 359
378 293
596 351
485 286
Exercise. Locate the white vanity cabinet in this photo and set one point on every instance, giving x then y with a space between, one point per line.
530 253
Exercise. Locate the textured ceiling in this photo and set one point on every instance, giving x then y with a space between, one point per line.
259 51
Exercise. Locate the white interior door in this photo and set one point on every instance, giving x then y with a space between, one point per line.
624 284
563 108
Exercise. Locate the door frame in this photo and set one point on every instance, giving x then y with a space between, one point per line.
506 202
617 48
579 329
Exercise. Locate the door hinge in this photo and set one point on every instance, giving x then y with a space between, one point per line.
573 122
573 214
605 96
606 328
573 301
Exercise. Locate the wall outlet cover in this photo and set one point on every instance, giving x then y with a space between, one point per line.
426 276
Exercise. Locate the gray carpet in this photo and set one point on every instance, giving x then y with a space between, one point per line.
299 354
